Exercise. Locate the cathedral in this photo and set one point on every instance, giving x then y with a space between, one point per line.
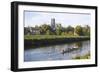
53 26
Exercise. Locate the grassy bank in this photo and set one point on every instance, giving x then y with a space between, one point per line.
40 37
87 56
45 40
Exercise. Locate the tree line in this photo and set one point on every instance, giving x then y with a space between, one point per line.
46 29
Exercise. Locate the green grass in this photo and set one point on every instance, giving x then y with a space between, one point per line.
87 56
50 36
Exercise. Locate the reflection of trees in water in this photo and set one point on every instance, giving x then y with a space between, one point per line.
62 49
78 44
75 47
51 49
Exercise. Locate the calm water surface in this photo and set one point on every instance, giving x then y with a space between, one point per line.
57 52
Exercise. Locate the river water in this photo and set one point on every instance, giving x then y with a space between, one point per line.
65 51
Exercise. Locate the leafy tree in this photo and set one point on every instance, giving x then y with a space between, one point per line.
78 30
27 30
58 29
86 30
70 30
62 33
44 28
48 32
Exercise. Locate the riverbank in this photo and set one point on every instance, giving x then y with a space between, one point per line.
87 56
45 40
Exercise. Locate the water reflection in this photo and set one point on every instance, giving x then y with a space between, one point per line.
57 52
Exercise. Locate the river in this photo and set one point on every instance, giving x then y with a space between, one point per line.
65 51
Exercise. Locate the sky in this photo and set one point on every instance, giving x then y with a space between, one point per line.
33 18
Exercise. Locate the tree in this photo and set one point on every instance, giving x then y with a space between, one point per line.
27 30
48 32
70 30
44 28
86 30
58 29
78 30
58 32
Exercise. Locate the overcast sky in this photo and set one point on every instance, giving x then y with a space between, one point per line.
37 18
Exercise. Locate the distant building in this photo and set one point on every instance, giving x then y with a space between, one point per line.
53 26
35 31
31 31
